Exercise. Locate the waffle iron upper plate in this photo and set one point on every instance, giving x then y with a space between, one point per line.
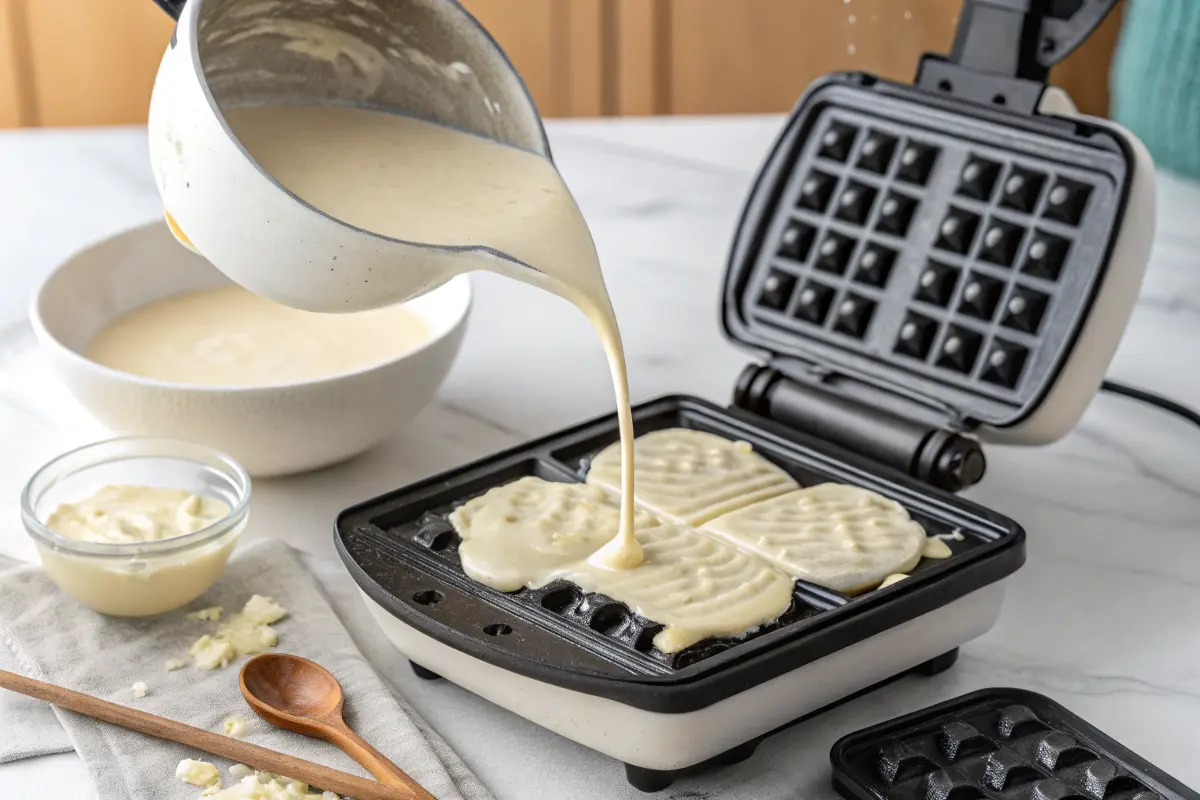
940 249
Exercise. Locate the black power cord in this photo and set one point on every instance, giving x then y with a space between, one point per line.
1150 398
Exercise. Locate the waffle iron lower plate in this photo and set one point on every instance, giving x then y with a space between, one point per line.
584 665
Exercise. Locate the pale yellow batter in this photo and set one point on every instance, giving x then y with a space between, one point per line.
841 537
129 514
695 585
518 534
231 337
690 476
532 532
133 581
725 579
936 548
413 180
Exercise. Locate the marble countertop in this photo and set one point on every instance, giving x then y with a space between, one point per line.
1104 616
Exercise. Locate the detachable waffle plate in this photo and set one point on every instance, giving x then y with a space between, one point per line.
403 553
999 744
946 249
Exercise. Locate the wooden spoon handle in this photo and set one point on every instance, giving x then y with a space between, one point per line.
374 761
225 746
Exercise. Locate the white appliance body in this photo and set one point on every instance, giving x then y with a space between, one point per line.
660 741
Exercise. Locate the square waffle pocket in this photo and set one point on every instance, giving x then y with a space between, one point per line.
964 256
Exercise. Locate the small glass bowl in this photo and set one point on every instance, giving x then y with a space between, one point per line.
144 578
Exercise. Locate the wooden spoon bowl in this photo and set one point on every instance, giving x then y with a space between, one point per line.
295 689
299 695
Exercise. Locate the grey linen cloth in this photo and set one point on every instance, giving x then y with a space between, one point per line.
46 635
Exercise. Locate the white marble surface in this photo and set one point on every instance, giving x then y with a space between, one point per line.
1104 617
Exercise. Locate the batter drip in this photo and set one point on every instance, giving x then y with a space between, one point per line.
936 548
532 532
417 181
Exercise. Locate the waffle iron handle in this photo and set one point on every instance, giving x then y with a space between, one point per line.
1023 38
1061 34
937 456
1003 49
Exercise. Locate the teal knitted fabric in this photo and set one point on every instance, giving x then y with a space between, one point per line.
1156 81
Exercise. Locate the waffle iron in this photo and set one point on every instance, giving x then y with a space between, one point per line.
919 268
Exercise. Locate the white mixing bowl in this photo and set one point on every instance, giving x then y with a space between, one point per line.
273 430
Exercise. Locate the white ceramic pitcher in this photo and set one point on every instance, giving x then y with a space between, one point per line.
426 58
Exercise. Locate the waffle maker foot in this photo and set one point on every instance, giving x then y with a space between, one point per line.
655 780
424 674
937 664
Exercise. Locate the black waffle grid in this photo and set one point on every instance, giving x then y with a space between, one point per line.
609 628
992 317
600 614
996 750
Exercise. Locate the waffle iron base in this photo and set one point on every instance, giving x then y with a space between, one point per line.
584 666
656 748
655 780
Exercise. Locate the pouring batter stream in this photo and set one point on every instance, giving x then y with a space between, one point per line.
418 181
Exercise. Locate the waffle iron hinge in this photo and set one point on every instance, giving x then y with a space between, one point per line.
929 451
1003 49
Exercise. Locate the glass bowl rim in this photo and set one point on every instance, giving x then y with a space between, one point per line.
226 465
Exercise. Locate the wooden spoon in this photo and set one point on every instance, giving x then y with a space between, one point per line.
300 695
225 746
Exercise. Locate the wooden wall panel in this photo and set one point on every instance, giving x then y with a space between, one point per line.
524 29
16 108
582 51
556 45
759 55
1084 74
642 33
93 61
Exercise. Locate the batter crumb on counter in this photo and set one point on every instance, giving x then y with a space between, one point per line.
174 664
245 633
199 773
235 726
252 785
140 689
212 614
